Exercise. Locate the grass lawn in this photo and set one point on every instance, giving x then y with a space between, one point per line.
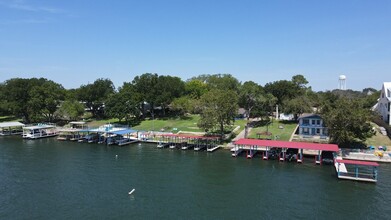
378 139
184 124
9 118
283 133
188 123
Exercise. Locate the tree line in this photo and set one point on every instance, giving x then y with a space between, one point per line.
215 97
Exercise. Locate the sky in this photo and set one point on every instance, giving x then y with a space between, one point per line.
75 42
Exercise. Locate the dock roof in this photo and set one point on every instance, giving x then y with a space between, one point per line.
190 136
358 162
11 124
288 144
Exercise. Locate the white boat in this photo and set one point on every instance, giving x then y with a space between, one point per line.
39 131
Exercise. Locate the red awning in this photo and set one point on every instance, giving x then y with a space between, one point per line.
359 162
287 144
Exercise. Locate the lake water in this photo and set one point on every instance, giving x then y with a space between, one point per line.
49 179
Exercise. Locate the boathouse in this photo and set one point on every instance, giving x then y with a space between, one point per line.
11 128
269 147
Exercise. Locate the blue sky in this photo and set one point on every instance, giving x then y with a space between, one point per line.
74 42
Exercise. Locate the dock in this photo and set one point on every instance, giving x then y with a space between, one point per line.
357 170
213 148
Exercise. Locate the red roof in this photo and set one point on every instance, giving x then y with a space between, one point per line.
189 136
288 144
359 162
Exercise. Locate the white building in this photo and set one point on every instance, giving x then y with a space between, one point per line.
383 103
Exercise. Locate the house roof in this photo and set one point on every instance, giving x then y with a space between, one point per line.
309 115
287 144
387 90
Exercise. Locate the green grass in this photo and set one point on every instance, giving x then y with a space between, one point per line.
378 139
183 124
188 123
9 118
284 134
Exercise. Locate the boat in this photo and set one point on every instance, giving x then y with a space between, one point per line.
72 131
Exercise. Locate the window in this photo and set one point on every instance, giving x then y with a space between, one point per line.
318 131
318 122
306 130
306 121
313 121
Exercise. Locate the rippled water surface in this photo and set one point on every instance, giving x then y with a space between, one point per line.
48 179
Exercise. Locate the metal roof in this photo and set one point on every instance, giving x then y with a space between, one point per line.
358 162
11 124
189 136
122 132
288 144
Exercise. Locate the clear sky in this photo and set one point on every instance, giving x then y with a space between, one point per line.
74 42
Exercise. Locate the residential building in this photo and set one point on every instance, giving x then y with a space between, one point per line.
383 103
312 125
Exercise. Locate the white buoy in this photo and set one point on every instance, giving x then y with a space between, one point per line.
130 193
116 156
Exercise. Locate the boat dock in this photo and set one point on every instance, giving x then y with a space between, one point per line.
356 170
183 142
282 150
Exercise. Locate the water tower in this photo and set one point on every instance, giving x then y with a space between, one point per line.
342 82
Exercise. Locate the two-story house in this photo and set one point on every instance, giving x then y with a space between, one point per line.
312 125
383 103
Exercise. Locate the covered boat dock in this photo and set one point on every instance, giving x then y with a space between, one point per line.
11 128
267 147
184 142
356 170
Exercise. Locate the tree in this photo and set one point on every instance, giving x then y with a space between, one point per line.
31 98
250 96
45 99
347 122
168 88
195 88
71 109
124 104
300 81
219 81
146 87
94 95
283 90
298 106
219 109
182 105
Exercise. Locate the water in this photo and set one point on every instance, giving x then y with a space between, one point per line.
48 179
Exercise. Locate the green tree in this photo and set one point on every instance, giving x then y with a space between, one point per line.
298 106
94 95
168 88
300 81
124 104
219 81
347 122
31 98
45 99
219 109
146 87
195 88
283 90
182 105
71 109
